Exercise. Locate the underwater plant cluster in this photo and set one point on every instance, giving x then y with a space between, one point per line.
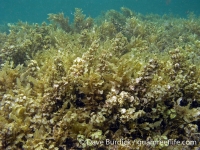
122 76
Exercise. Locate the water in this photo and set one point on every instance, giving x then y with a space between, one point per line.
37 10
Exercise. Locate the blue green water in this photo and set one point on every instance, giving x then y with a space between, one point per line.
37 10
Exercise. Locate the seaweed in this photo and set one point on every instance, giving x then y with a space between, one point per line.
121 76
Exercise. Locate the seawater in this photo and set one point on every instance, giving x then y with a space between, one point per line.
38 10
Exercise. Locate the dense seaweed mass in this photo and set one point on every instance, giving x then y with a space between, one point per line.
121 76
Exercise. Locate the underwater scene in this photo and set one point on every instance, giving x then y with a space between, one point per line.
109 75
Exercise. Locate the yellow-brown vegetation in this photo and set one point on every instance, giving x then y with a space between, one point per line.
121 76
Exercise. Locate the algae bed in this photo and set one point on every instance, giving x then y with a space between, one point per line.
121 78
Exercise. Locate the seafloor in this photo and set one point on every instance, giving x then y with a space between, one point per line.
120 81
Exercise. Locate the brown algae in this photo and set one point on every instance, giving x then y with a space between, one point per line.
119 78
